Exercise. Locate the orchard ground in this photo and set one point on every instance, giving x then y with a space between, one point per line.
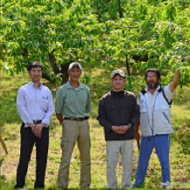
99 84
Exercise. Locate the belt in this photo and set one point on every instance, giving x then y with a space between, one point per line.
76 118
37 121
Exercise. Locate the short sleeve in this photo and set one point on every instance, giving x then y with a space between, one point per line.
168 93
59 101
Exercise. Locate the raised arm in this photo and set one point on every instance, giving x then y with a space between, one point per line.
175 81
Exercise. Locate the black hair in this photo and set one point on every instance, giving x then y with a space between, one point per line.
34 65
153 70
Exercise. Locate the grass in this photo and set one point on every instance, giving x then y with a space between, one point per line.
99 84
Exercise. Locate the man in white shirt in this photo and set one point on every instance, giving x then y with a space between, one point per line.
35 107
155 123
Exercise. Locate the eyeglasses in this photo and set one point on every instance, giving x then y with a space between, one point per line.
151 77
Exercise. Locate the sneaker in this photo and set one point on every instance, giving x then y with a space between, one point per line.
166 185
135 185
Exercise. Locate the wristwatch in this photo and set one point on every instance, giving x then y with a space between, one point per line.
130 125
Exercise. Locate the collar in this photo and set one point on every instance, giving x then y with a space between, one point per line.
33 85
145 90
69 86
118 94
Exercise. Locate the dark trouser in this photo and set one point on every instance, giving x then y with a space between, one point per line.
28 139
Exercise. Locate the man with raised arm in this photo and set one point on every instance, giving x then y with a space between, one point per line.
155 124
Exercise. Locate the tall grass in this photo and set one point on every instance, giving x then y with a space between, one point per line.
99 84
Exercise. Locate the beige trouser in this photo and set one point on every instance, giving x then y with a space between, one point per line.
113 149
73 131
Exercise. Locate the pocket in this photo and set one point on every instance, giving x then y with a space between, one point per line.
44 104
162 121
165 116
163 113
144 126
142 108
143 119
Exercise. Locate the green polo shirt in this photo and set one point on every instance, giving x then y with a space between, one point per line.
72 102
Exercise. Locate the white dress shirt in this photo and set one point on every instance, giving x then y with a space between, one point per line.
35 103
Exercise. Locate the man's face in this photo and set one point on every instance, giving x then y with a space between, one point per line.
74 73
152 80
118 82
35 74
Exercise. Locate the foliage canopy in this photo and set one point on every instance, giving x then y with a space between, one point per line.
98 33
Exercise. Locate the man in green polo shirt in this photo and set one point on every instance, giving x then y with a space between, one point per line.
72 107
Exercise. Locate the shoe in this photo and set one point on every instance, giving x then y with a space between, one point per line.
19 188
166 185
135 185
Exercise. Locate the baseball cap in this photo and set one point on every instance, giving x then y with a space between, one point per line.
74 64
119 72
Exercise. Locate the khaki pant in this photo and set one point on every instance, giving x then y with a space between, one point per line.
73 131
113 149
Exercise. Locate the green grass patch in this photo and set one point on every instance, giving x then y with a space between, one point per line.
99 84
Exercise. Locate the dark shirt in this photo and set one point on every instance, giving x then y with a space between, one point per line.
115 109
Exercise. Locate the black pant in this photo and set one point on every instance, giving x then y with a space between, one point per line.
28 139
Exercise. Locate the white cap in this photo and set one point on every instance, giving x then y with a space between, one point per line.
119 72
74 64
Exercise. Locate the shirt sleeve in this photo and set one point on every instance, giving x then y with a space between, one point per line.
88 106
102 117
59 101
50 110
21 107
168 93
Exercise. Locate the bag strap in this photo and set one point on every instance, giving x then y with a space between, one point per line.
143 91
169 102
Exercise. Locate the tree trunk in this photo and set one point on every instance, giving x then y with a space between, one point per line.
120 11
47 77
55 67
53 64
64 71
24 52
127 66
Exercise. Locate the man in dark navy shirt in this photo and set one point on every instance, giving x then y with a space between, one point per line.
118 113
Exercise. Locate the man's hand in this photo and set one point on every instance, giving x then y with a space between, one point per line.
33 128
32 125
59 117
124 128
137 136
37 129
120 129
116 129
